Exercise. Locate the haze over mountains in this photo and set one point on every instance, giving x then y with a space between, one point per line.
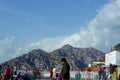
41 60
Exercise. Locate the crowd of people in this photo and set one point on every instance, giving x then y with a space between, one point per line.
10 73
108 73
104 73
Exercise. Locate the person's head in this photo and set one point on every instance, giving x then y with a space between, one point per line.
8 66
116 66
51 68
63 60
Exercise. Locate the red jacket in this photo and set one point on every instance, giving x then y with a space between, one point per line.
51 73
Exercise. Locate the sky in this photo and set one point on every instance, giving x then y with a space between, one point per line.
50 24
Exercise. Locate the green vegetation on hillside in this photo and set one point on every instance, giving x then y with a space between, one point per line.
117 47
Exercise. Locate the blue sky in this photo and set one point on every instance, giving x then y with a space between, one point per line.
28 19
50 24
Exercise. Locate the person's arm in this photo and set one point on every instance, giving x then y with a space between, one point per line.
6 70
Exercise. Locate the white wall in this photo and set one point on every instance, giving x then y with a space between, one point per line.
110 58
118 58
113 58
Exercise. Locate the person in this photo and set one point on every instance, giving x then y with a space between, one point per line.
4 77
119 77
99 72
111 71
88 73
0 71
108 75
115 73
26 77
51 74
54 74
59 77
35 74
15 70
18 76
11 75
102 72
8 72
65 72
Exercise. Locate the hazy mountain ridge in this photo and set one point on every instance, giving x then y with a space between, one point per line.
41 60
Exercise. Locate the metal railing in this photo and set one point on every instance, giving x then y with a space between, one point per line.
75 76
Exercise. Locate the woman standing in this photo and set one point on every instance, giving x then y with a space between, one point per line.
8 72
51 74
115 73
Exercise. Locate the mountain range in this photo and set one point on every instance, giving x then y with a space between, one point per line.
42 60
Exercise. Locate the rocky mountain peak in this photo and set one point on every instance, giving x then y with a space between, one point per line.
67 46
41 60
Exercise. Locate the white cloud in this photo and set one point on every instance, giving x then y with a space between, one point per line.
5 48
9 49
102 32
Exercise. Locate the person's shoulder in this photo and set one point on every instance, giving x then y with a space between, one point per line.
67 64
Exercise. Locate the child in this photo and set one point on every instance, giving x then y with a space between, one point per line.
59 77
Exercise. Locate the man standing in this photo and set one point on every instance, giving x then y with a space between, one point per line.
65 70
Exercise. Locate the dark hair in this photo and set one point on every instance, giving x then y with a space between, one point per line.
116 66
8 66
63 60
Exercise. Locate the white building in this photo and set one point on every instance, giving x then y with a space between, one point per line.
113 58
